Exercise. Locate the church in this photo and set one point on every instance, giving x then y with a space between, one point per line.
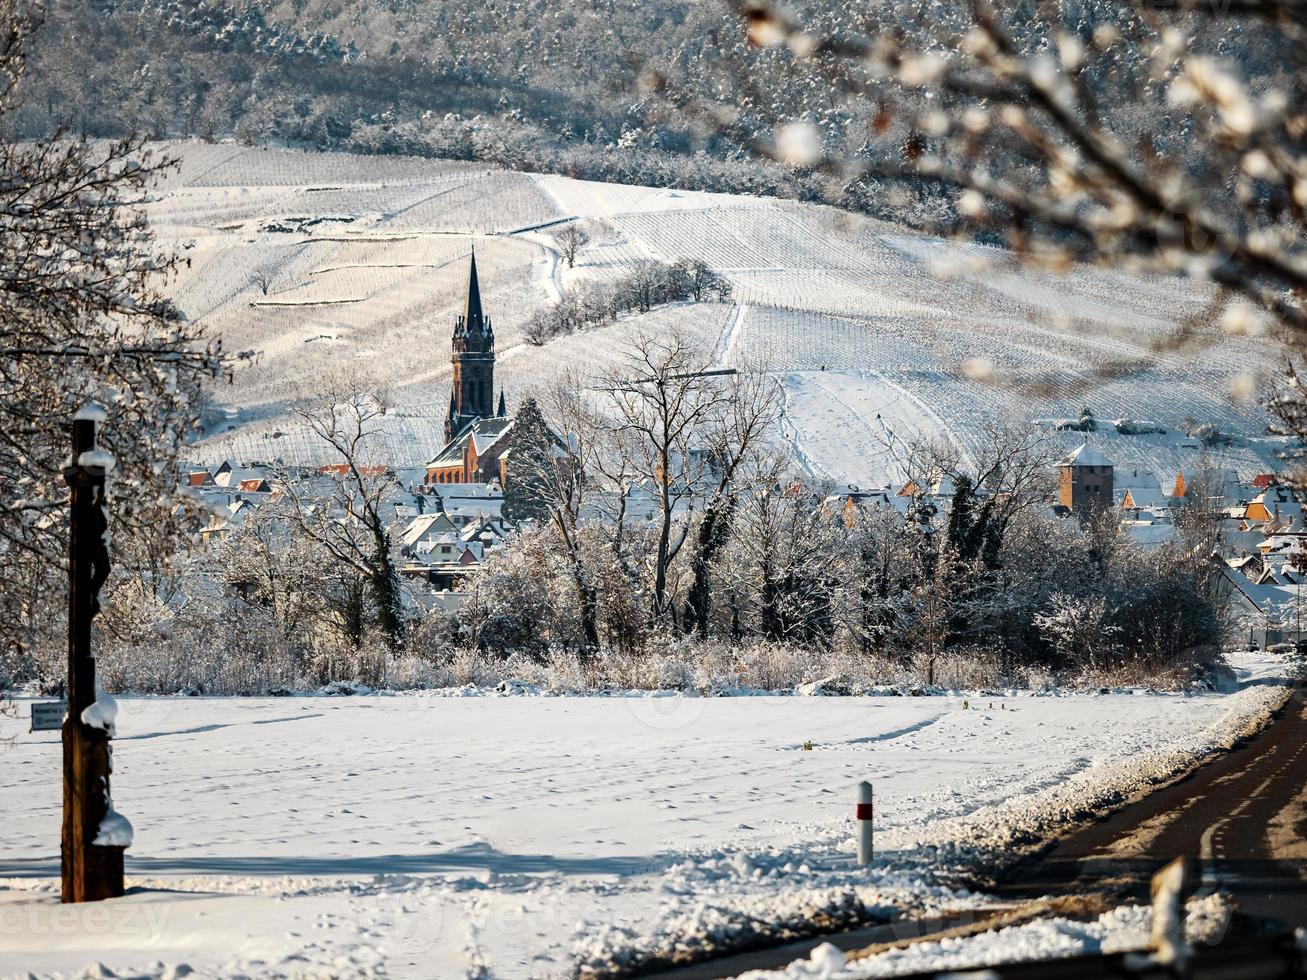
476 431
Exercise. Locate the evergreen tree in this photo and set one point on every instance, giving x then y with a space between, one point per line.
531 470
961 519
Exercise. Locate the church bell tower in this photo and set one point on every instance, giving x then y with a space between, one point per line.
473 394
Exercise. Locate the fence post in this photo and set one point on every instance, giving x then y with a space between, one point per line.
863 816
90 872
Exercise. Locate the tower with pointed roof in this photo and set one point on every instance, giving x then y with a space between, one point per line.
1085 481
473 394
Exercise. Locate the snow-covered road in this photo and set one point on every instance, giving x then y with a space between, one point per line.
434 834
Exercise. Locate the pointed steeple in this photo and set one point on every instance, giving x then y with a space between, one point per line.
473 316
503 407
472 351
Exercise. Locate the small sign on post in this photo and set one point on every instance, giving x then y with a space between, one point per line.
863 816
48 716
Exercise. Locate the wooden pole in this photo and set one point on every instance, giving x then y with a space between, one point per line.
90 872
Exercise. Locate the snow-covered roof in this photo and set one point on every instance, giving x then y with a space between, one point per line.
1149 533
425 526
486 432
1123 479
1146 497
482 433
1086 455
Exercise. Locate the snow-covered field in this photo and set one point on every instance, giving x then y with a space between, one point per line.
318 262
446 835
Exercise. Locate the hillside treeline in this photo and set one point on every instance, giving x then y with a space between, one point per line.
610 89
650 284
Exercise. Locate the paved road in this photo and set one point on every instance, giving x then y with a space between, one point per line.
1244 815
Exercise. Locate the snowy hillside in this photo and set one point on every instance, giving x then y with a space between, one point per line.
313 262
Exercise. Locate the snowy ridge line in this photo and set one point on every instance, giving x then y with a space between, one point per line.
927 873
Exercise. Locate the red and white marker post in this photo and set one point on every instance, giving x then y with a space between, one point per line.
863 815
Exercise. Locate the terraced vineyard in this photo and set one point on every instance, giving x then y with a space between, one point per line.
314 263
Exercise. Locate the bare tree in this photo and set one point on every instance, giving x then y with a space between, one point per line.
82 318
874 564
570 241
343 506
1010 469
701 282
737 441
663 396
784 547
1026 120
266 564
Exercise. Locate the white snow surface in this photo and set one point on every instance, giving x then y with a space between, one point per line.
308 263
91 412
438 835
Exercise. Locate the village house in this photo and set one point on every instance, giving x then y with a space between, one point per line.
1275 509
441 550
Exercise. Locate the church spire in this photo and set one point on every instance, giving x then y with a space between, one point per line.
473 315
503 407
473 357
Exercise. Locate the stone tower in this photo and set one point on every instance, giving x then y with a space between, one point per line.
1085 481
473 394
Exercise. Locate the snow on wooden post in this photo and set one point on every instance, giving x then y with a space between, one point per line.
94 836
863 816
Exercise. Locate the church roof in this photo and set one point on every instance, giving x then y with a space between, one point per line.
483 433
487 432
1086 455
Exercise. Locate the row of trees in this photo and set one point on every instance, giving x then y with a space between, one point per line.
651 283
653 505
660 502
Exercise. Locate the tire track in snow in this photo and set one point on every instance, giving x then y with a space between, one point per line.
551 279
867 739
791 433
941 426
731 334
